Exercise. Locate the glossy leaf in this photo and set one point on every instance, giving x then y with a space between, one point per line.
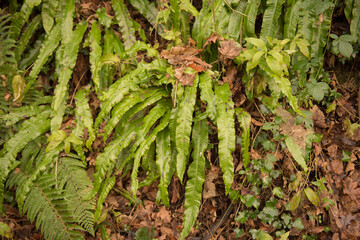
196 174
312 196
125 23
244 119
183 127
226 132
272 12
250 17
207 94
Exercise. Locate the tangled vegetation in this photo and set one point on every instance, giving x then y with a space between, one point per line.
160 109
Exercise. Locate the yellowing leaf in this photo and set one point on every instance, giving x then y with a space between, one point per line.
274 65
296 151
257 42
264 236
312 196
303 46
295 201
285 236
55 139
18 85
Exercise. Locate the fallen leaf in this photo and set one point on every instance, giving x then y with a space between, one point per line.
229 49
318 117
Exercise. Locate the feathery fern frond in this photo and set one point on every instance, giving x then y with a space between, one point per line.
226 132
30 130
196 173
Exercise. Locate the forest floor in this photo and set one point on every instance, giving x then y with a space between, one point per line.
336 159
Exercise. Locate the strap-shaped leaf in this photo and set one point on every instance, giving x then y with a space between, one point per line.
147 9
236 20
204 23
95 53
105 189
183 128
250 17
165 164
117 91
291 19
226 132
355 20
26 35
270 19
130 101
125 23
207 94
84 113
26 111
320 33
47 49
19 19
67 22
244 119
144 147
48 14
285 87
196 173
30 130
107 158
67 62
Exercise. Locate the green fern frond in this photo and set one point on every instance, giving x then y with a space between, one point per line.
19 20
47 49
30 130
226 132
104 191
144 147
292 18
270 18
48 11
72 177
207 94
250 17
95 53
20 113
6 42
67 64
196 173
51 209
125 23
67 22
148 10
165 164
244 119
26 35
143 96
204 23
83 112
183 127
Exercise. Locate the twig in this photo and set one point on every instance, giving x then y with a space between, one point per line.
219 222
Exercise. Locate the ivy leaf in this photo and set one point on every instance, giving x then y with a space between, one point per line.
345 48
312 196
